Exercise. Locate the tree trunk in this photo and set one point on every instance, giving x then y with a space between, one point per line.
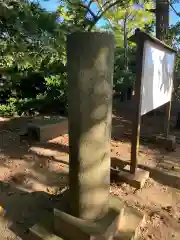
162 19
125 42
162 25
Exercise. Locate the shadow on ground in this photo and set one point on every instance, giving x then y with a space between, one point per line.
24 170
24 209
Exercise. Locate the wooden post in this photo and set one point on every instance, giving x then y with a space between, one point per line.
168 111
137 98
167 118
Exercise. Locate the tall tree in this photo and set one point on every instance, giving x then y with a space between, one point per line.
91 16
162 19
124 21
28 34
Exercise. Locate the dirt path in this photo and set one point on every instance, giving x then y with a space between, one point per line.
159 199
29 185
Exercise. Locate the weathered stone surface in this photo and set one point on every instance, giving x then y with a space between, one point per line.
90 59
39 232
70 227
44 130
43 230
120 223
131 225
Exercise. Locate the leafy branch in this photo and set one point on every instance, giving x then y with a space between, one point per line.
103 9
173 8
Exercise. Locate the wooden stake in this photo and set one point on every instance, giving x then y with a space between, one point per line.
167 118
168 111
137 98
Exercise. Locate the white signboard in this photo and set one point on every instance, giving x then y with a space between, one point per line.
157 76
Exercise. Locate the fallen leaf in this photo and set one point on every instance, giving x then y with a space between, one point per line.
167 208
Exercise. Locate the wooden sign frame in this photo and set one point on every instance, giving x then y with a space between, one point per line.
139 38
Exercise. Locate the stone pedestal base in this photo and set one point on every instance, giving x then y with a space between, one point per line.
69 227
121 222
136 180
43 230
169 143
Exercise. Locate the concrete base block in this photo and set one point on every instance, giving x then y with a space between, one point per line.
44 130
131 226
43 230
121 223
39 232
69 227
169 143
136 180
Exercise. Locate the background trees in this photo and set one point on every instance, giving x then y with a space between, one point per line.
33 50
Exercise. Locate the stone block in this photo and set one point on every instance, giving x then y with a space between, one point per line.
39 232
70 227
43 230
44 130
121 223
168 143
131 226
136 180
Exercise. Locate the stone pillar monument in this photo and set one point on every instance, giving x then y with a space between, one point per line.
88 211
91 213
90 58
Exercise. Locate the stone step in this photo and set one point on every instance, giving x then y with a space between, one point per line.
128 225
132 222
105 228
39 232
43 230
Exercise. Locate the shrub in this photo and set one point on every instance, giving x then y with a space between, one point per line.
123 80
8 109
56 93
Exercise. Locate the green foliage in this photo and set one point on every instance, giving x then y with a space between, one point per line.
74 17
32 45
122 22
124 79
28 35
30 106
33 73
129 17
8 109
56 92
